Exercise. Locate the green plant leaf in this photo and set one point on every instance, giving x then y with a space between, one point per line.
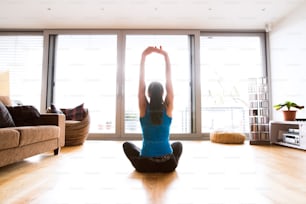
288 104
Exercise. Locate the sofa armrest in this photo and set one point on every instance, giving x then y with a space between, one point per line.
54 119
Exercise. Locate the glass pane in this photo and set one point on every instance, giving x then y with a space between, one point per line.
227 62
86 67
21 63
177 47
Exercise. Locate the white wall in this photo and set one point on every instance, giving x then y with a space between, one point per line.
288 61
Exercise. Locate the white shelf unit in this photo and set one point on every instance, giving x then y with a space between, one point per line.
279 128
259 111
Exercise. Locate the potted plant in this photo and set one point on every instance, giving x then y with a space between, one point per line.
289 114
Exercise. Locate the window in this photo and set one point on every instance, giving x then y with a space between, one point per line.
178 48
21 60
85 72
227 63
210 73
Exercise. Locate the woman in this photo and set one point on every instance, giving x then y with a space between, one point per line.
156 154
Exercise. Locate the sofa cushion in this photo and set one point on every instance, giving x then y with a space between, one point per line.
77 113
33 134
24 115
6 119
9 138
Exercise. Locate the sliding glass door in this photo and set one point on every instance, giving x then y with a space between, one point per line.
178 48
86 72
228 61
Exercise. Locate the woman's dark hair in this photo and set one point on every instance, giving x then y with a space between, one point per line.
156 105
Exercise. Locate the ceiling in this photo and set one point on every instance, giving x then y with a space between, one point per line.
144 14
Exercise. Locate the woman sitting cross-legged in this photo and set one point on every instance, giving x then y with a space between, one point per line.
156 154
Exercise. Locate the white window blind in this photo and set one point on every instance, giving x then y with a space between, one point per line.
21 57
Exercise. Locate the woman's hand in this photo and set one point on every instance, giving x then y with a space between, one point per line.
151 49
148 51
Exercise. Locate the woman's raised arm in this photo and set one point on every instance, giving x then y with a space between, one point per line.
142 100
169 86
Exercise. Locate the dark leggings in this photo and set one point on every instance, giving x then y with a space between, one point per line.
166 163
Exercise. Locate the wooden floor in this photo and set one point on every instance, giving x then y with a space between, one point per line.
98 172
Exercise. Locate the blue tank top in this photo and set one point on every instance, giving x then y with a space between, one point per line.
155 138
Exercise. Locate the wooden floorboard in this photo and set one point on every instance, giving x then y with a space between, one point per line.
98 172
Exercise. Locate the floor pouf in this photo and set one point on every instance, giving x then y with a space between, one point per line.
227 137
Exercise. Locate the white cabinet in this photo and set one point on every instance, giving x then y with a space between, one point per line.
288 133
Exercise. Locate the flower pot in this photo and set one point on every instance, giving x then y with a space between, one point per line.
289 115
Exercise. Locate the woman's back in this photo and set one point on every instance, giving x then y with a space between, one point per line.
155 137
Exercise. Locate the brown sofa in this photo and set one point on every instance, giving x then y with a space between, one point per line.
18 143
